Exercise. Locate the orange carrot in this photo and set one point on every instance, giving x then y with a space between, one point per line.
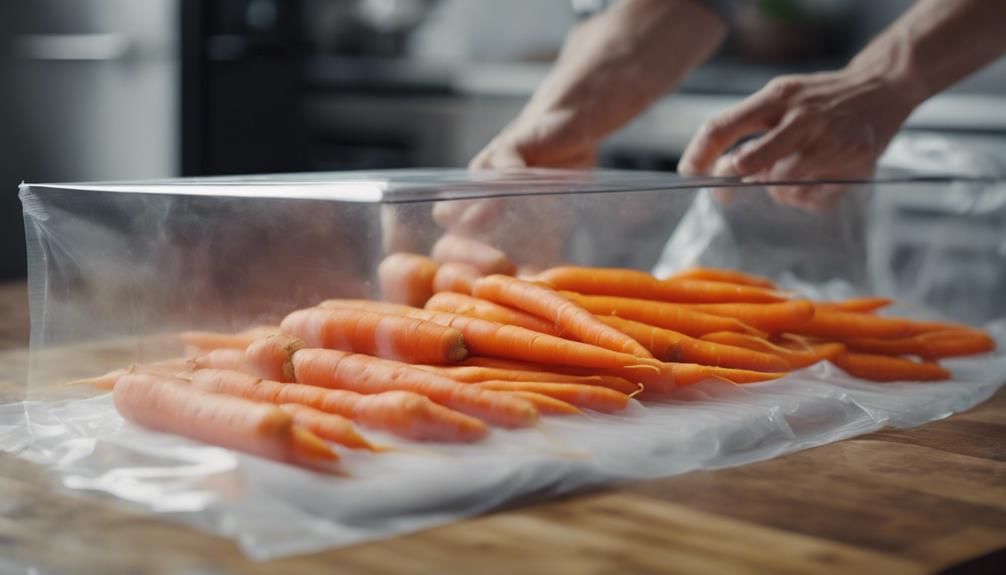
166 404
455 277
493 339
485 309
952 343
174 368
586 396
671 374
403 413
817 352
691 373
388 336
724 276
674 316
210 340
861 304
637 284
223 358
334 428
406 278
269 357
483 257
668 345
769 317
569 317
797 359
839 325
475 374
910 345
544 403
366 374
929 345
885 368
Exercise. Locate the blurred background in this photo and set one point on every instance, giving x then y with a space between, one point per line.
124 89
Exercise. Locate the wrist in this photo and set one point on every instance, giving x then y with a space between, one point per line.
893 62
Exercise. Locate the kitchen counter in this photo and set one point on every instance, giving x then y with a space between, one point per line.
925 500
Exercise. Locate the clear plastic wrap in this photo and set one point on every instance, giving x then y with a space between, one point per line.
116 268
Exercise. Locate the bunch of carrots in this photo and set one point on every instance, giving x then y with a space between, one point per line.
460 344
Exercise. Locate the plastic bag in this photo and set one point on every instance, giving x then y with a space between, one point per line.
117 267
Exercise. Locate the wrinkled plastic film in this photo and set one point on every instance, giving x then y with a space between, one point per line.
113 274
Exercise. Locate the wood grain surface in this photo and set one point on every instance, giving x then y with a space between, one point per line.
925 500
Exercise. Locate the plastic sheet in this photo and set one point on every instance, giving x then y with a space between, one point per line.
115 267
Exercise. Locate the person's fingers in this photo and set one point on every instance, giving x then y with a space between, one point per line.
759 111
581 160
823 199
468 216
498 155
796 129
723 168
785 170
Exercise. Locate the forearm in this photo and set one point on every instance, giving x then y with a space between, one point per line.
935 44
617 63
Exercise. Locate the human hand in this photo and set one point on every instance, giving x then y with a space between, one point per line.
536 138
825 126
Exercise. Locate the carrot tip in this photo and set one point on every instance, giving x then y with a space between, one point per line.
726 379
640 389
312 447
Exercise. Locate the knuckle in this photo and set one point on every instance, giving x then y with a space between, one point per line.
713 129
784 87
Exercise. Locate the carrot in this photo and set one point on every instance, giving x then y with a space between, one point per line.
403 413
455 277
269 357
668 345
839 325
173 368
485 309
475 374
817 352
388 336
166 404
929 345
210 340
545 404
674 316
796 359
366 374
885 368
672 373
483 257
957 342
691 373
637 284
406 278
586 396
493 339
567 316
334 428
724 276
223 358
768 317
861 304
910 345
